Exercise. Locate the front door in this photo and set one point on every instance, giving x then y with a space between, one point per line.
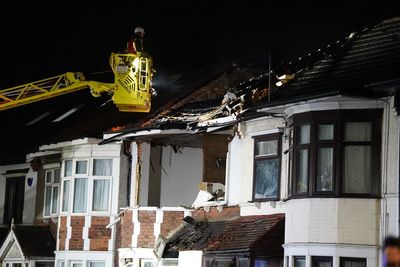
14 200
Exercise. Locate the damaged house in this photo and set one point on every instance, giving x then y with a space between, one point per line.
303 174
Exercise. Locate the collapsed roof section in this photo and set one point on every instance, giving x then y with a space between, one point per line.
356 66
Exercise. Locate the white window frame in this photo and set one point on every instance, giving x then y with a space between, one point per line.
77 262
90 262
52 185
98 177
90 186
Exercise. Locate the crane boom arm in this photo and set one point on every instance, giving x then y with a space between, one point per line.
48 88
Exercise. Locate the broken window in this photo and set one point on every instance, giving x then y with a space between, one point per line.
52 185
266 167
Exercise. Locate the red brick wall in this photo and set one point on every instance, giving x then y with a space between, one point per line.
62 233
146 238
77 224
171 221
126 229
214 214
99 234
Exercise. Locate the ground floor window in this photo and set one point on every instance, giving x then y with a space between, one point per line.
44 264
353 262
299 261
321 261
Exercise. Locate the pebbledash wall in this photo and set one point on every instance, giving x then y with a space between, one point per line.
334 227
85 237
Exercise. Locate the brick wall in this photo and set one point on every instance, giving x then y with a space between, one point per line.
146 238
126 230
99 234
215 214
171 221
62 233
147 219
77 224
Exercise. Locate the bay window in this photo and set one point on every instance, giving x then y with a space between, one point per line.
266 167
335 153
86 185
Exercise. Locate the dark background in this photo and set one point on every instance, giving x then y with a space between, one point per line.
42 40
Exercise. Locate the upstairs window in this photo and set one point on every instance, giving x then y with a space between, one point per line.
267 159
86 185
335 153
51 194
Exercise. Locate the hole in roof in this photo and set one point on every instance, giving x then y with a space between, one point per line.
35 120
68 113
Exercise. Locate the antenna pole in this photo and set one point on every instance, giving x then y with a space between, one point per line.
269 76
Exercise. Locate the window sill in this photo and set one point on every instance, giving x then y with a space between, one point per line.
356 196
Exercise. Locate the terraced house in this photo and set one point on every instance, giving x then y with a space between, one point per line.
304 174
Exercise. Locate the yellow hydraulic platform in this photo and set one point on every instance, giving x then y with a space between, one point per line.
131 90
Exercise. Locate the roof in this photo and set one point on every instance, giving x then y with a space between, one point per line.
3 235
351 66
262 235
35 241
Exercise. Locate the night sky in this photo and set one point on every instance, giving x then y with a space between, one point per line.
182 36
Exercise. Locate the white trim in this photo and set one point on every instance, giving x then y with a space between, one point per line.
84 257
8 243
29 157
136 229
146 133
265 132
52 166
85 233
17 174
75 142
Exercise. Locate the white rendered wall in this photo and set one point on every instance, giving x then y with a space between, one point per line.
181 174
190 258
390 171
240 153
29 194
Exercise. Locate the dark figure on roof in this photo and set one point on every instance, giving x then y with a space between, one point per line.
135 43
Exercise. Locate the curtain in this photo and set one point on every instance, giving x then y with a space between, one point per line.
299 262
54 207
68 168
97 264
325 132
48 201
324 169
102 167
267 148
80 195
101 195
81 167
358 131
357 169
302 171
56 176
266 178
304 134
65 198
354 263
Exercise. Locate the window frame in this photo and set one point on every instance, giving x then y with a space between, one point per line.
269 137
338 118
343 259
100 177
89 175
52 185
